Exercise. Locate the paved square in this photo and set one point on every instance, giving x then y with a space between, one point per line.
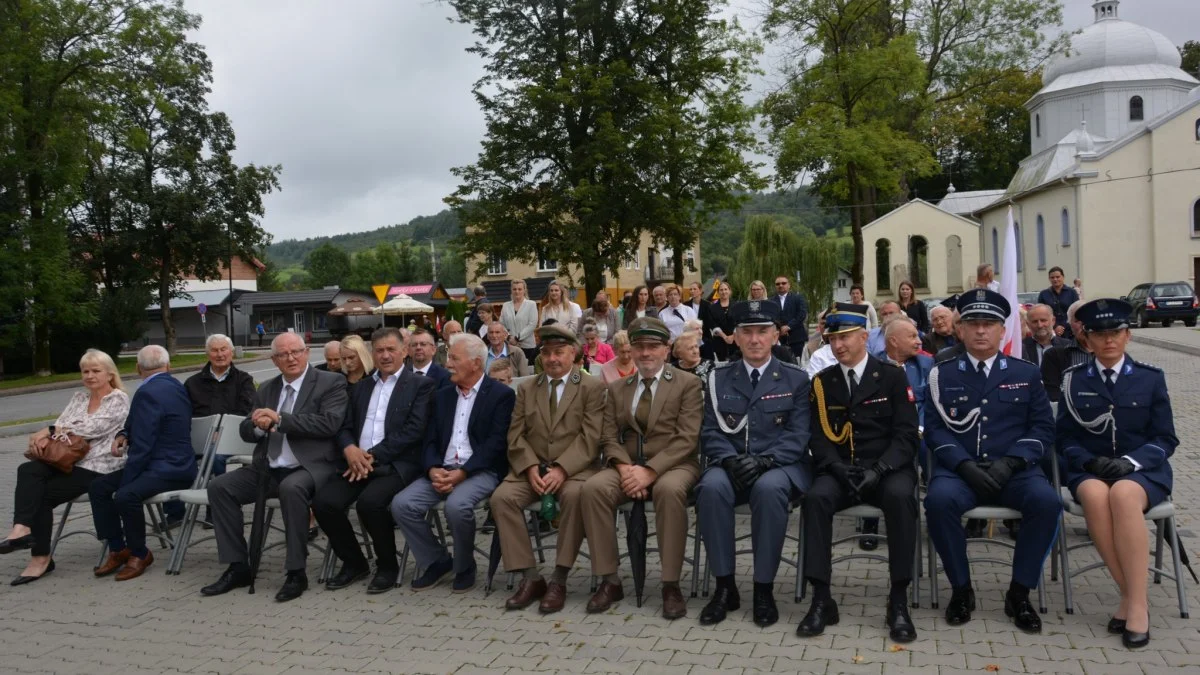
71 622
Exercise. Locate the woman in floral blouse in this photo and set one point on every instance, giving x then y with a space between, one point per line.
96 414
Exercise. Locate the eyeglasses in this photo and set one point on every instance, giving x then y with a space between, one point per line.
781 283
293 354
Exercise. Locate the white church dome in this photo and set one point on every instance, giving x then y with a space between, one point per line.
1110 42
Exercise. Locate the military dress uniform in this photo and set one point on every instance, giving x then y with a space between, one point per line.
1130 420
987 425
867 432
566 434
673 409
769 423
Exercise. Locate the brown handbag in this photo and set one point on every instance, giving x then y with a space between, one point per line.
63 452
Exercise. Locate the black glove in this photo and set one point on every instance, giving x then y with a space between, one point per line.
730 464
749 467
1003 469
981 482
1109 468
765 463
868 482
844 473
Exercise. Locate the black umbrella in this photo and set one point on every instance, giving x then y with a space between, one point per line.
636 532
493 558
1169 533
258 522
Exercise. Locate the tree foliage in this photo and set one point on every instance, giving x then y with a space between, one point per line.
327 265
769 249
1190 54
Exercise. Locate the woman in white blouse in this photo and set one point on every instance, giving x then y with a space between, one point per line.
558 307
520 318
96 415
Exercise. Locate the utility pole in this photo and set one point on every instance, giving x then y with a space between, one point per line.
433 259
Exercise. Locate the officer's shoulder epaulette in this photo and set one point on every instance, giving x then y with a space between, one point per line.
787 364
1147 366
1021 360
828 368
1076 366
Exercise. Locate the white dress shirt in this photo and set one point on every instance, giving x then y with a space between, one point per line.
820 360
762 370
459 450
674 321
373 424
987 363
1116 369
637 392
423 371
859 369
286 460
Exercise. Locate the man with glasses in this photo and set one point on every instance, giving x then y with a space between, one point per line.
296 415
421 350
553 445
793 327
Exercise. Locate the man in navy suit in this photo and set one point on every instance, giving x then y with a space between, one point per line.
381 440
421 349
987 424
793 328
466 455
157 440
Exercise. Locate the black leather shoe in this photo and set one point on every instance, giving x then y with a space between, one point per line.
346 576
18 544
962 603
1116 626
1130 639
293 587
1014 528
900 624
383 581
765 611
975 528
234 576
1023 614
869 526
724 600
821 613
22 580
433 575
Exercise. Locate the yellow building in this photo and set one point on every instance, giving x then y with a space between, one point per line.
933 248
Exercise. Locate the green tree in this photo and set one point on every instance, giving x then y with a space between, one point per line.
269 280
328 265
1190 53
770 249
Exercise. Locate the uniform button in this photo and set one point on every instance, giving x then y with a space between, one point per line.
983 402
1135 404
985 455
985 419
985 438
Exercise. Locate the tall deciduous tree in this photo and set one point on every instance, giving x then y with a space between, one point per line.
327 265
1190 53
769 249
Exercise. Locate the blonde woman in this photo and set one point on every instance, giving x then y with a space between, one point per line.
758 290
356 359
95 414
556 306
623 365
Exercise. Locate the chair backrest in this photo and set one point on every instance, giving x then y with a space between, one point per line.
516 382
205 432
595 369
230 442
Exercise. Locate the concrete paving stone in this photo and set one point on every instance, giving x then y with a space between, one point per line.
1063 667
732 648
840 668
680 658
1005 663
1090 668
759 662
613 667
1177 660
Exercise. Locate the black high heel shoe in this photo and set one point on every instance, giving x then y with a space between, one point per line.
1133 640
22 580
1116 626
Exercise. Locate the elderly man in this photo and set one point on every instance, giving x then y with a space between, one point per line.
755 437
1057 360
553 445
942 335
876 342
157 440
333 357
988 429
863 443
381 440
1043 339
651 427
421 350
296 415
499 349
465 456
451 329
605 317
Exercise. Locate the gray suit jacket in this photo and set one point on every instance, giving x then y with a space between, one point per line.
312 425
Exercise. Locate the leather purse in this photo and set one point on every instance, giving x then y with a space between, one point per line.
63 451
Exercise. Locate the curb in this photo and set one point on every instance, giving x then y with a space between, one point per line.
55 386
1165 344
22 429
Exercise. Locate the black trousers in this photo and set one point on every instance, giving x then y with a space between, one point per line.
40 488
373 499
895 496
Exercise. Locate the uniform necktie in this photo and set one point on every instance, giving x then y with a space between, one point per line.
754 379
554 397
1109 382
982 369
853 381
275 442
642 413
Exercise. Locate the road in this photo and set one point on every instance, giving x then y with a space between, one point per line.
41 404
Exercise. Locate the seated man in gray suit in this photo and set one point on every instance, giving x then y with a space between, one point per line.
294 420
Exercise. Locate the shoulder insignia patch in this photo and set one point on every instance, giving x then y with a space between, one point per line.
793 366
575 377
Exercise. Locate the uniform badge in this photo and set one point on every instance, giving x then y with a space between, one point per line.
575 377
981 295
731 419
754 305
775 374
911 397
779 420
1102 304
954 412
1003 364
667 376
962 366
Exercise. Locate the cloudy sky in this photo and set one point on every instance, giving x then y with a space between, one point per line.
367 103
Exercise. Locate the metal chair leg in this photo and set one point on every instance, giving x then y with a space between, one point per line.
1158 550
696 555
801 583
1178 565
62 523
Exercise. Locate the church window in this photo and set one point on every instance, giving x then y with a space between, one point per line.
954 270
1198 129
1041 242
883 265
1066 228
1196 218
1037 125
918 261
995 249
1136 112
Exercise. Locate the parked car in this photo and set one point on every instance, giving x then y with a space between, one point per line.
1165 302
1027 300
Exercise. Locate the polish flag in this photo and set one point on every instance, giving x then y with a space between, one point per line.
1011 344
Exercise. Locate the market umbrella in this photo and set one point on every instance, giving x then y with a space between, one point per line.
258 521
402 304
353 307
636 532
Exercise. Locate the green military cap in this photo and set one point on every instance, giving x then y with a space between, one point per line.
648 328
557 333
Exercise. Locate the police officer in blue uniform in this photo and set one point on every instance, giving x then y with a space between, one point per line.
755 441
1117 433
987 424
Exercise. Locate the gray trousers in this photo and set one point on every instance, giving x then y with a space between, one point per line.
412 505
768 499
229 492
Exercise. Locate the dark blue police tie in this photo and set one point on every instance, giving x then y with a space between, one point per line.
754 379
1109 382
982 370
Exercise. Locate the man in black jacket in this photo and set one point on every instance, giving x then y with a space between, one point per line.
794 309
381 440
1056 361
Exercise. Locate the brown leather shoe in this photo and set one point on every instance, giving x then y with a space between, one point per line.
112 563
604 598
135 566
527 592
555 598
674 606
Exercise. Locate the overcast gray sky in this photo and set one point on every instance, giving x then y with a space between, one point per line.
367 103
